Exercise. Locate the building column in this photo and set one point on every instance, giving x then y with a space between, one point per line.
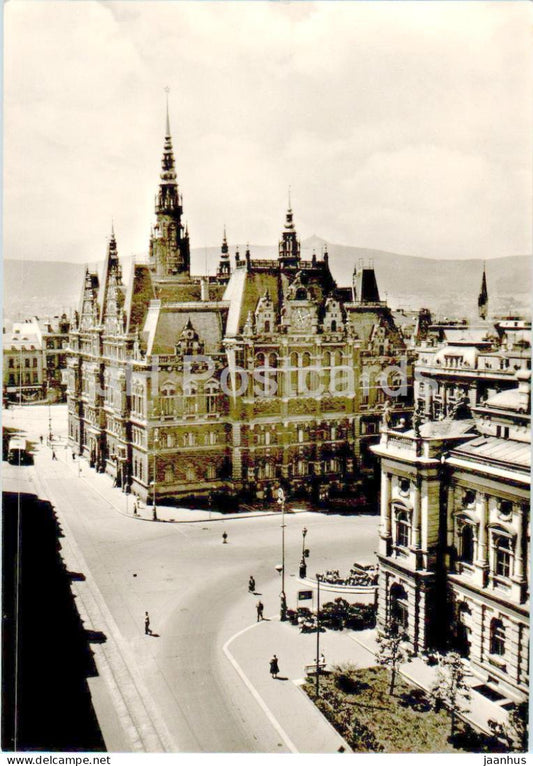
482 562
385 526
518 573
417 516
413 626
477 635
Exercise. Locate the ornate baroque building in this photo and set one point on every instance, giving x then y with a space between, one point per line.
269 372
454 538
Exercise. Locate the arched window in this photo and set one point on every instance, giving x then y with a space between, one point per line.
168 392
267 325
306 359
190 474
294 373
327 359
211 394
169 475
503 555
211 472
260 360
467 544
399 610
403 528
497 637
333 325
191 402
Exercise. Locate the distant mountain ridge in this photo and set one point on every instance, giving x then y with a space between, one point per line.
406 281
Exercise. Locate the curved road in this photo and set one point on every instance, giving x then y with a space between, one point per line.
195 589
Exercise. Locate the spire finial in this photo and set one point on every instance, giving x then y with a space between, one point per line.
167 91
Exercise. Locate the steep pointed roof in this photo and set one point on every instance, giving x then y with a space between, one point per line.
112 294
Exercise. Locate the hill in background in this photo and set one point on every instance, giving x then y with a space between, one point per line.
447 287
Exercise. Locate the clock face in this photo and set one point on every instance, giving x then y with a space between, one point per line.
301 318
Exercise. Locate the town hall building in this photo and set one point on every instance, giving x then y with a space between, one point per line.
268 373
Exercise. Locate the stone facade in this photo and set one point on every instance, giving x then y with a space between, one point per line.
268 373
454 537
458 363
35 360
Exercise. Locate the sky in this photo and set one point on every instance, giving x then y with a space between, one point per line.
401 126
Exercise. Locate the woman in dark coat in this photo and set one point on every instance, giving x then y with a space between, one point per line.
274 667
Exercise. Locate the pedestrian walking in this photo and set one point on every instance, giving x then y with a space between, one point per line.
224 537
251 584
54 456
147 628
274 667
73 455
41 438
135 507
259 608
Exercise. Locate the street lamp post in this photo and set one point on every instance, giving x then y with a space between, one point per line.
317 635
50 423
283 598
303 565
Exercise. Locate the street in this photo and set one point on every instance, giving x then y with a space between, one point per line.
193 586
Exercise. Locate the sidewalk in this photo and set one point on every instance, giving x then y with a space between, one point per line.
304 726
419 673
102 483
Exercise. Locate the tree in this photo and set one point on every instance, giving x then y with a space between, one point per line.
392 651
513 733
450 688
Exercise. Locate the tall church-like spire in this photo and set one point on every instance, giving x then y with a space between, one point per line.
169 244
224 266
289 246
483 298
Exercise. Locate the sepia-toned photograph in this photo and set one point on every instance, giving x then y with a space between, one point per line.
266 378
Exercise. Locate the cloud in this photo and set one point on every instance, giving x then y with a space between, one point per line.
399 125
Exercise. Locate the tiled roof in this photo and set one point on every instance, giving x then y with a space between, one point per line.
490 448
168 323
506 400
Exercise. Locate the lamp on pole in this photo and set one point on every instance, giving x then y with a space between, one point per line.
317 635
283 598
303 565
49 422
